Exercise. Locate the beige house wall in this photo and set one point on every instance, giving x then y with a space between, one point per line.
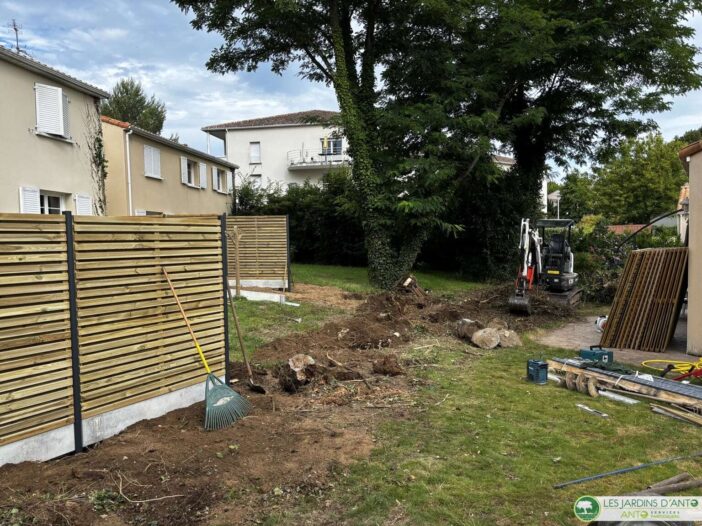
29 159
167 195
694 316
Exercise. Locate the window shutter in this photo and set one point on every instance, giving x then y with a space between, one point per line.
29 200
84 205
230 183
49 105
215 183
184 170
203 175
66 123
156 161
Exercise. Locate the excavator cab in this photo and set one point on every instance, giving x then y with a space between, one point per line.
557 266
546 260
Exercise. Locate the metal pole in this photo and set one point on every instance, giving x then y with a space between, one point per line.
225 286
287 234
75 348
558 208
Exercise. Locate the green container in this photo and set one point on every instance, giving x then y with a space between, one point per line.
597 355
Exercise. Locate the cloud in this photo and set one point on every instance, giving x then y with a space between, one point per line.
103 42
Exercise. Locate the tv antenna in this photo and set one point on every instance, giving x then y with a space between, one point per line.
14 26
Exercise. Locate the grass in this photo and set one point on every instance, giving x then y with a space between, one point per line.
488 446
355 279
263 321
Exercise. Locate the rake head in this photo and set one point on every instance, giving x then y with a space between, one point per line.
223 405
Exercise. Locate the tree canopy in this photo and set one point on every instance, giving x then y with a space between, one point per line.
559 80
129 103
641 181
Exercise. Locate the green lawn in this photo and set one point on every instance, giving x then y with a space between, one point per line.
487 447
355 279
264 321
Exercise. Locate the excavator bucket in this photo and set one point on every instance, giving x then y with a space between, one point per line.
519 305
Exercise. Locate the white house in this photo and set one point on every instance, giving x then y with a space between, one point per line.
286 149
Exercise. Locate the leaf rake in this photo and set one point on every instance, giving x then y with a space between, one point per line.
223 405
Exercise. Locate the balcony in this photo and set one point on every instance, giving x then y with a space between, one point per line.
317 159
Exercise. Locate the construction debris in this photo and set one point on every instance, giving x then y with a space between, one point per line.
497 323
298 371
509 338
465 328
617 397
648 300
486 338
592 411
627 470
388 366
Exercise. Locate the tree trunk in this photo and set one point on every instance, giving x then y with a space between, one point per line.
385 265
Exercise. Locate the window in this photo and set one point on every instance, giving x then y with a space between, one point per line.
52 111
331 146
152 162
256 180
36 201
188 169
293 185
218 178
254 153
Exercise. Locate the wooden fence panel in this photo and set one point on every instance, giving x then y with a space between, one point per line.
647 304
263 247
35 346
133 342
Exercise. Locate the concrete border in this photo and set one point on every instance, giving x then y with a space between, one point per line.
264 283
57 442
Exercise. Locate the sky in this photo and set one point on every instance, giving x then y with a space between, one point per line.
102 41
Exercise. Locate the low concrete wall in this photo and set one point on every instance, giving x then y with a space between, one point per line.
263 283
59 441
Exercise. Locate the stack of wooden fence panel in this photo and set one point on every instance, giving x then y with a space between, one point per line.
648 300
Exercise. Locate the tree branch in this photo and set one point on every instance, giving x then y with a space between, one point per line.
325 69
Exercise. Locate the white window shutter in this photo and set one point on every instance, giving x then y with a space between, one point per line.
66 121
29 200
184 170
230 183
84 205
156 161
203 175
49 106
215 184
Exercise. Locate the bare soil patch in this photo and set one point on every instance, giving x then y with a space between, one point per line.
326 296
169 471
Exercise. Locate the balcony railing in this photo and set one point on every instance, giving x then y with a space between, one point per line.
316 158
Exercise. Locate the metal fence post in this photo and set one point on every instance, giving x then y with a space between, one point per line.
75 348
225 285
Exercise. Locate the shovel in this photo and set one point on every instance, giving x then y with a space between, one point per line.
252 385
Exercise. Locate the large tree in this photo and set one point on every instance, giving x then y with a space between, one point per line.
641 181
577 195
345 43
128 102
553 79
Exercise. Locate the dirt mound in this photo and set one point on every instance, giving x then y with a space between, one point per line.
327 296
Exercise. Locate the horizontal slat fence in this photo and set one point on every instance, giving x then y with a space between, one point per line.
35 346
263 247
647 304
132 342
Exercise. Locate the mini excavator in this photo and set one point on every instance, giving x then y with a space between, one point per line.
545 260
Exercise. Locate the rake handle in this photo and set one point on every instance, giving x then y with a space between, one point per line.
238 333
187 322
